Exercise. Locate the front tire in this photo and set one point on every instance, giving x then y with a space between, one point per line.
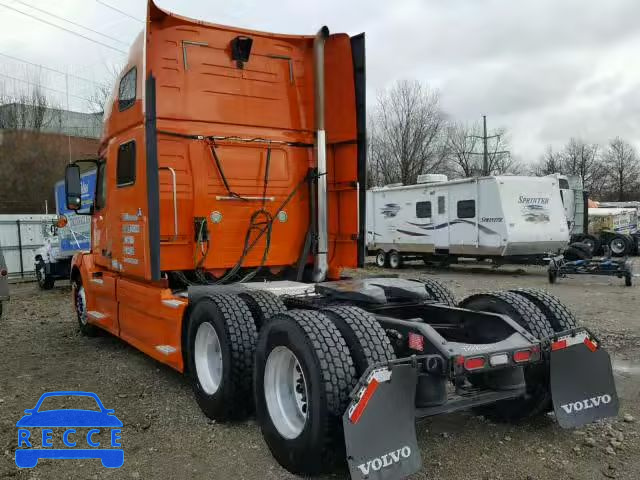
301 421
381 259
221 343
80 303
45 282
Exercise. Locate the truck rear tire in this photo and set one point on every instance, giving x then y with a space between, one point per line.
303 377
560 317
438 291
618 246
263 305
221 340
366 339
395 259
529 316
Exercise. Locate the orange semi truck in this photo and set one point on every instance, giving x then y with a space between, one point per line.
228 202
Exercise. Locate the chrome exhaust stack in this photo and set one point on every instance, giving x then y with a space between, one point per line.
321 264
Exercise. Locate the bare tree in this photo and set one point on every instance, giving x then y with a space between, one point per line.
623 168
583 159
103 92
407 136
30 110
551 162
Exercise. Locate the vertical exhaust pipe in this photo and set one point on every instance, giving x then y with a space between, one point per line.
321 266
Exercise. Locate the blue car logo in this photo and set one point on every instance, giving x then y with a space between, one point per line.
78 445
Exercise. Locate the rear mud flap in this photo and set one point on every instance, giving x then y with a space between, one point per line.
582 383
379 426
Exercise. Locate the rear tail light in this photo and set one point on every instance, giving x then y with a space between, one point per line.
559 345
522 356
416 342
3 272
474 363
499 359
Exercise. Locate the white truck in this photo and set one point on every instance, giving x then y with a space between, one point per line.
64 237
504 218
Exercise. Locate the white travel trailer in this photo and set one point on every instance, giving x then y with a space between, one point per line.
506 218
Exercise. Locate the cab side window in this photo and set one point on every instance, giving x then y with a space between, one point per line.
126 168
127 90
101 185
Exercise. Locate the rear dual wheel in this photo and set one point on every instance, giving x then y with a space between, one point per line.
221 339
307 362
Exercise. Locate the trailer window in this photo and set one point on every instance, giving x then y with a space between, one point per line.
441 205
101 186
127 90
423 209
563 183
126 170
466 209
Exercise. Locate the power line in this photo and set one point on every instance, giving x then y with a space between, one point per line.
42 86
72 23
49 68
63 28
120 11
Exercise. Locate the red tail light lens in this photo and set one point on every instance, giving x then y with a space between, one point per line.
416 342
474 363
522 356
3 272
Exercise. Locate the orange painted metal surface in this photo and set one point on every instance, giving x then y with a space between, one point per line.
201 91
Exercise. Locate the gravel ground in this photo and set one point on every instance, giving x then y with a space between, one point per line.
166 436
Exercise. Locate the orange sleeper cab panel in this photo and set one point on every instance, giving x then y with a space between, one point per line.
189 130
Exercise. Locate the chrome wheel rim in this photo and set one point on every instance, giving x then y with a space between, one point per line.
618 246
81 306
285 390
208 358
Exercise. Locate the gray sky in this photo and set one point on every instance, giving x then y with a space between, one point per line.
544 69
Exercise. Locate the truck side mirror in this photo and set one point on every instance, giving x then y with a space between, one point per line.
72 187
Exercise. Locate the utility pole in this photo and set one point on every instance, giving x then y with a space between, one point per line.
485 155
485 144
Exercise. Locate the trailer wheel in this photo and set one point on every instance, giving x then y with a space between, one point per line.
45 282
80 304
560 317
552 275
438 291
528 315
584 248
628 281
382 260
593 242
303 377
221 341
365 337
395 259
618 246
263 305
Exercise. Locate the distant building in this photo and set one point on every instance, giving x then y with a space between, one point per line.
18 116
35 145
